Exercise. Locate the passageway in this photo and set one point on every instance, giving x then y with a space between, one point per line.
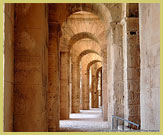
63 59
85 121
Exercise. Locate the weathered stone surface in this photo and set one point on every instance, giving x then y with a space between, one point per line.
150 66
64 86
53 95
8 58
131 54
30 69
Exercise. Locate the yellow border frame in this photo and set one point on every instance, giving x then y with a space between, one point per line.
75 1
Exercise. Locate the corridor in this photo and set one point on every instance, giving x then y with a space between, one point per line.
63 59
85 121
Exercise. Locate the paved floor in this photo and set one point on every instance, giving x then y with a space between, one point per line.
85 121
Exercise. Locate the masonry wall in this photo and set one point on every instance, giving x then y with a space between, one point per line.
150 66
30 52
8 66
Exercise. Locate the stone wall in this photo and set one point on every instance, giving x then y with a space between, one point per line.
150 66
31 64
8 66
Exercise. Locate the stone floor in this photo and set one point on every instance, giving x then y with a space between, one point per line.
85 121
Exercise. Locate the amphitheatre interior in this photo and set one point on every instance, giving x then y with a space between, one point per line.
72 67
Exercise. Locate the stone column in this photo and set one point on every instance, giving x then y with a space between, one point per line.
94 86
85 88
64 86
75 86
104 85
131 54
53 98
101 86
31 74
118 89
133 69
98 77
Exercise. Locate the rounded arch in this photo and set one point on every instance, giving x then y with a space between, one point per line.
85 52
93 62
80 36
98 9
101 10
79 45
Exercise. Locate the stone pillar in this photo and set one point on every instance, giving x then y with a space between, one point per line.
98 76
133 69
75 87
64 86
53 98
131 54
101 86
8 66
150 66
118 90
31 74
85 88
94 88
104 85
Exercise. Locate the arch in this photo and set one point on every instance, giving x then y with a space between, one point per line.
92 62
86 59
98 9
80 36
86 52
72 32
78 45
